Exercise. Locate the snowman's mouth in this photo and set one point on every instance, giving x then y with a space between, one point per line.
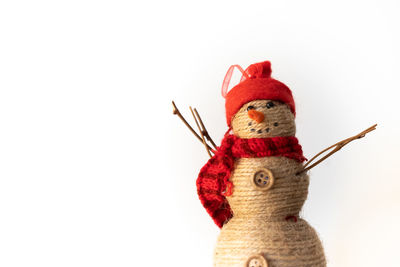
260 131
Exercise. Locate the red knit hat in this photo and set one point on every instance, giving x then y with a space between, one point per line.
256 84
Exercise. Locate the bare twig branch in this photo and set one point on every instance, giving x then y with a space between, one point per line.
204 130
201 132
336 147
176 111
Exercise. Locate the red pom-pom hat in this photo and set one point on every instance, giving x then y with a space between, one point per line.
256 84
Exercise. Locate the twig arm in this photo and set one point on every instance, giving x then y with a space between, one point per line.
204 130
176 111
201 132
336 147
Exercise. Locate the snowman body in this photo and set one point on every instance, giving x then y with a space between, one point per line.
267 197
263 223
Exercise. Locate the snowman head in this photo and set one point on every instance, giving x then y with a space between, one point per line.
263 118
259 106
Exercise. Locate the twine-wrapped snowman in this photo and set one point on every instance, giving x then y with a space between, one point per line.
255 184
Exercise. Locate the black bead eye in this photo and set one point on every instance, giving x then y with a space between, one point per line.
270 104
250 107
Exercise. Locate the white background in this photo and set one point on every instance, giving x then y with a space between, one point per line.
96 171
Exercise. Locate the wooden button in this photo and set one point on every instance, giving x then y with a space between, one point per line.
256 261
263 179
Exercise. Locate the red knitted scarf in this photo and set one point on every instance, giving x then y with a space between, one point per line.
213 181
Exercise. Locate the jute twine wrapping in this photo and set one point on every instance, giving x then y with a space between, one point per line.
258 225
280 114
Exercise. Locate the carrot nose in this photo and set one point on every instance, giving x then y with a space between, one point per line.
256 115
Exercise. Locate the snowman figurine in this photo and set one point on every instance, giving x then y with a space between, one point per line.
253 187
